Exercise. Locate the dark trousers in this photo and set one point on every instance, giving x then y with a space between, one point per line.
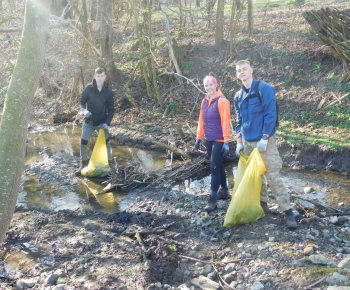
218 174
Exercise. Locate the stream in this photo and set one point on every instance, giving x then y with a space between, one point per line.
46 141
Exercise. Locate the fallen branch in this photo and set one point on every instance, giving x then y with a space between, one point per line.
156 232
316 283
315 202
205 262
170 148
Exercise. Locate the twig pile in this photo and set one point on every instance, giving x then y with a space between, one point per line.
132 175
332 27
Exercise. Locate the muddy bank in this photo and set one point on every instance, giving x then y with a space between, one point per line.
299 156
175 247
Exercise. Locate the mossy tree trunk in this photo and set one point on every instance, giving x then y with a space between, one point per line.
219 28
19 97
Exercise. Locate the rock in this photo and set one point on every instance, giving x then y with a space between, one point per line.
331 263
183 287
205 283
338 288
59 287
226 235
158 285
346 250
299 262
326 234
337 278
308 190
63 280
234 284
60 273
257 285
228 278
221 204
271 239
333 220
235 236
345 263
341 219
212 275
25 284
308 251
51 279
199 264
207 269
178 275
197 247
319 259
230 267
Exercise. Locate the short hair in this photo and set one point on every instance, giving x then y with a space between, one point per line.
100 70
243 61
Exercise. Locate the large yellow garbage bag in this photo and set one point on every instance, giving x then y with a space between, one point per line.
245 203
98 164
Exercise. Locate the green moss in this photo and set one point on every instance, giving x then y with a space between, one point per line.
317 272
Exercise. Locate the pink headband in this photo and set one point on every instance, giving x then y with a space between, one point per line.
210 79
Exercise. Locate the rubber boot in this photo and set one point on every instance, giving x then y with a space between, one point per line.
81 166
290 220
211 204
265 207
224 194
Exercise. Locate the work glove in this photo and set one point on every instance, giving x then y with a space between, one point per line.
239 148
196 145
86 113
262 144
225 148
104 126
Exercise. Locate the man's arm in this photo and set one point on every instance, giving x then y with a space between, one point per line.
239 117
85 97
269 107
110 108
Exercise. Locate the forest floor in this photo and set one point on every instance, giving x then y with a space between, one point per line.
164 239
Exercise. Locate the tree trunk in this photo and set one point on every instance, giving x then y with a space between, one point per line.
208 13
219 28
235 17
198 3
19 97
250 18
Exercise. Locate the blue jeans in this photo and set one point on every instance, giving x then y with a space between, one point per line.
218 174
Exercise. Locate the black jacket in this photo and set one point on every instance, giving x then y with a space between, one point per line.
100 104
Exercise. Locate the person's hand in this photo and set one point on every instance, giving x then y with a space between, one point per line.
239 148
225 148
104 126
196 145
86 113
262 144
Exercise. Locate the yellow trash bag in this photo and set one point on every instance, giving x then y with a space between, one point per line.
99 159
245 203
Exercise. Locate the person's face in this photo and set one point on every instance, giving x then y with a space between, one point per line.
100 78
210 88
244 72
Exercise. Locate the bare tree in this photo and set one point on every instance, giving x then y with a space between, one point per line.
250 18
219 28
19 97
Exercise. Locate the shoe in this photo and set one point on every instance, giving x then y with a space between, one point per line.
265 207
81 166
290 220
223 194
211 204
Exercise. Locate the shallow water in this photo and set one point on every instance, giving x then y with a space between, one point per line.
44 141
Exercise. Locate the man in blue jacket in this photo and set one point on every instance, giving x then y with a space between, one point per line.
256 127
97 104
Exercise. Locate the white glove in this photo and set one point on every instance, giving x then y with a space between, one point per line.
104 126
86 113
262 144
239 148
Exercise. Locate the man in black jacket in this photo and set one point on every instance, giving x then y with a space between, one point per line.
97 103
